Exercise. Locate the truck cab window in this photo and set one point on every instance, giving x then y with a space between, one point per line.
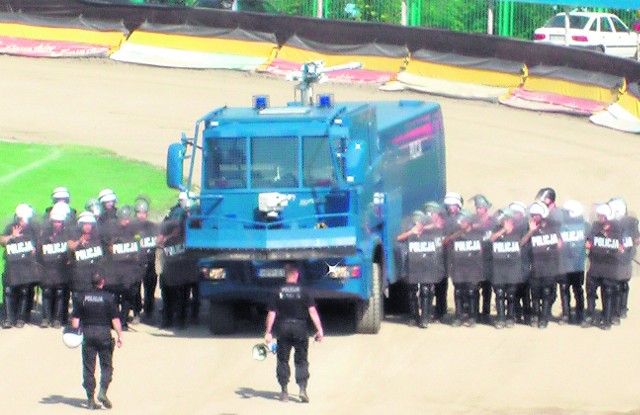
317 164
226 164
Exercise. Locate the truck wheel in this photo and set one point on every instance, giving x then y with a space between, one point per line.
221 318
369 313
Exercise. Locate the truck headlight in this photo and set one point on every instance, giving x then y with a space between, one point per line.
214 274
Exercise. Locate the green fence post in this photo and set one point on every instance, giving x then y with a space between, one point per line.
315 8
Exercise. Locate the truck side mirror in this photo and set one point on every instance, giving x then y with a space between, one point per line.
356 161
175 162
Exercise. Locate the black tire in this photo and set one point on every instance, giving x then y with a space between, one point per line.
369 313
221 318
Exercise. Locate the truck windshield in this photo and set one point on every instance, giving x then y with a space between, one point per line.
274 162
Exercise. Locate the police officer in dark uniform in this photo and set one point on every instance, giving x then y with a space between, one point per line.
425 260
453 203
124 270
288 312
604 245
96 313
94 206
108 200
61 195
630 241
523 290
21 271
484 221
507 273
148 232
177 269
544 237
86 252
53 256
466 269
574 232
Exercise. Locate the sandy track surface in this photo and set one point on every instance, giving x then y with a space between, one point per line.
507 154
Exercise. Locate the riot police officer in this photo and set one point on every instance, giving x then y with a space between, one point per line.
94 206
108 200
483 221
544 237
96 313
288 311
466 269
124 271
425 257
21 271
87 254
630 241
604 245
523 290
61 195
453 203
148 232
573 255
52 253
507 273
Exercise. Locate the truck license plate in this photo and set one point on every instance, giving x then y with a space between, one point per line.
271 273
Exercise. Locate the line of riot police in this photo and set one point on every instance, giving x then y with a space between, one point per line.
62 252
522 256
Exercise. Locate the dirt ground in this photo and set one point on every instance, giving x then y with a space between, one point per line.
507 154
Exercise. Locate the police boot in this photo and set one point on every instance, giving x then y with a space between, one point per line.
500 308
9 307
589 317
535 312
102 397
284 395
304 398
414 311
440 294
615 306
58 308
91 403
484 316
47 301
579 295
474 299
607 308
23 306
547 302
459 304
426 299
511 310
566 305
624 298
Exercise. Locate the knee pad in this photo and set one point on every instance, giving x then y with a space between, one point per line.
47 292
60 292
426 290
624 286
23 290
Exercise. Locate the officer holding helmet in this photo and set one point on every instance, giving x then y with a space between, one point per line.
108 200
148 232
574 232
87 254
52 253
545 240
425 257
21 268
124 271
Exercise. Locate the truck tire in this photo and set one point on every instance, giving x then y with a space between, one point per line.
221 318
369 313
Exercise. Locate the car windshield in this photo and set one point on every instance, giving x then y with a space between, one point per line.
575 22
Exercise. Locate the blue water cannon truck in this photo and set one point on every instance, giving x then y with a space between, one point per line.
323 183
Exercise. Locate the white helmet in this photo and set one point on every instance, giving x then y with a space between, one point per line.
453 198
71 337
86 217
518 207
619 207
60 193
603 209
24 211
185 199
539 208
574 208
107 195
59 212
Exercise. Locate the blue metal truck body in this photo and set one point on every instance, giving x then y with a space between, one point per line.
327 185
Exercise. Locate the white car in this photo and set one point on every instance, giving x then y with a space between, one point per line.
603 32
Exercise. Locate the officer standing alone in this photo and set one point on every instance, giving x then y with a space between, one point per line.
288 311
96 313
